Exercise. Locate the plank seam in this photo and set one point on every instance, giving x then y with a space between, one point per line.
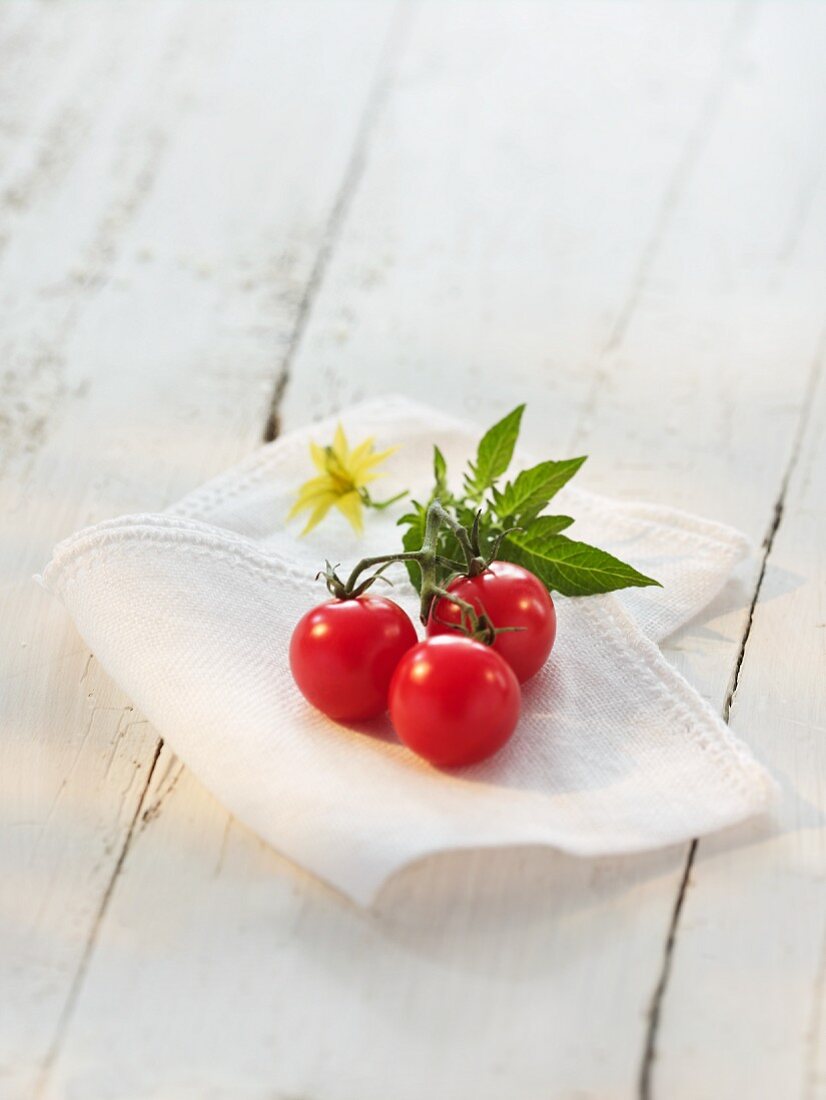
374 104
654 1014
655 1007
695 142
777 513
77 982
376 99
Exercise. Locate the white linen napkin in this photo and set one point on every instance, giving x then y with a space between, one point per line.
191 612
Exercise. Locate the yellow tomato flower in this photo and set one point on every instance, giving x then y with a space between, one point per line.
342 482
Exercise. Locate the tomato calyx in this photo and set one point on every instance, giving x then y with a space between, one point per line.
480 562
472 622
432 564
475 625
512 596
341 590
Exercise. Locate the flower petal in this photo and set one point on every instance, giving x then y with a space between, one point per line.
319 512
340 447
319 456
375 458
361 451
350 505
311 492
341 474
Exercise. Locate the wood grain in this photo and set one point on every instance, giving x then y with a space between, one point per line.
615 212
749 959
163 212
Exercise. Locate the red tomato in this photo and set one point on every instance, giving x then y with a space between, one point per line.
343 655
509 596
454 701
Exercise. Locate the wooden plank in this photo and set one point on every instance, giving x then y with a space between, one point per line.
491 251
495 974
166 199
727 306
243 975
523 976
744 1013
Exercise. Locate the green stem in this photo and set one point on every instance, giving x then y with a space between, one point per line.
429 562
380 504
475 564
467 609
381 559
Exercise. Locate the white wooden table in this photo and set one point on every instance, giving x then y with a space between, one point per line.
222 219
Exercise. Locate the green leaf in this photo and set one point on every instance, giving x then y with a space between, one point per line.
449 547
413 538
440 474
544 526
526 496
571 568
465 514
494 454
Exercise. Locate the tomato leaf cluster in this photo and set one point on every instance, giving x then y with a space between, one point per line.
514 513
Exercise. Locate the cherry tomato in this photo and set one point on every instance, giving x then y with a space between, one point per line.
509 596
454 701
343 655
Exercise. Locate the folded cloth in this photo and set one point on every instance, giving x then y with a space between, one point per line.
191 612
